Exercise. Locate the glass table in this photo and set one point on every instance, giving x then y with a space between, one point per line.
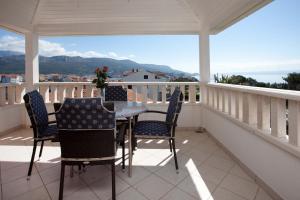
127 109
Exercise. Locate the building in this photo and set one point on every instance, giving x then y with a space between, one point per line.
139 75
11 78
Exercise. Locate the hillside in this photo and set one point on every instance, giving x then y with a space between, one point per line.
11 62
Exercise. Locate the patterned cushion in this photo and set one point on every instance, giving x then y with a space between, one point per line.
84 113
115 93
151 128
174 106
38 111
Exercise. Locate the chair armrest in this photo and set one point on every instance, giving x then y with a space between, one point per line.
51 113
52 122
155 111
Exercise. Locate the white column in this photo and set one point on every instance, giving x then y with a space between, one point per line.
31 60
204 63
204 57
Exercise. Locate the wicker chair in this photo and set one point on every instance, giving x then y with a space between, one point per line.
43 129
162 130
87 135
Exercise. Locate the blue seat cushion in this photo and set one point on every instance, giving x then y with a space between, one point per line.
49 131
151 129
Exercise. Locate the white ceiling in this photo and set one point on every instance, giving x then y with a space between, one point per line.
106 17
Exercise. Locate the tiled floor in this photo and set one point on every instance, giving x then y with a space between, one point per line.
206 172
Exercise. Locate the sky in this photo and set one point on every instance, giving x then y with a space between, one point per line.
268 40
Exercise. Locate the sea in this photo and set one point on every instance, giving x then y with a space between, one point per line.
267 77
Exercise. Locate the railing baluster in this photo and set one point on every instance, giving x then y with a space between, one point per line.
238 106
192 93
144 94
53 95
2 96
154 93
182 89
294 123
263 113
89 91
61 93
44 91
217 98
163 94
249 109
278 117
20 91
11 92
232 104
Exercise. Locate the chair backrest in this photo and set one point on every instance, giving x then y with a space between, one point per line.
37 112
115 93
174 108
86 129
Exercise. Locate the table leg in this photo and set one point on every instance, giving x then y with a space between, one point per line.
129 148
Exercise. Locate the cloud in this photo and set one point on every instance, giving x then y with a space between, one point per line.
46 48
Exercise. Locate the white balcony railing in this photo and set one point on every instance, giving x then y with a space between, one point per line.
11 94
270 113
147 92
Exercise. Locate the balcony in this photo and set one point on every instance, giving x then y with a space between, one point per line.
245 152
250 148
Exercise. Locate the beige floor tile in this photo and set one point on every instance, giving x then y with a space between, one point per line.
262 195
223 194
36 194
51 174
169 174
138 174
153 187
103 187
206 147
15 173
219 163
212 174
82 194
71 185
198 156
131 194
240 186
238 171
221 153
198 187
20 186
151 163
177 194
95 173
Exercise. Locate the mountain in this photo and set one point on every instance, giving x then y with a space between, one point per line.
9 53
11 62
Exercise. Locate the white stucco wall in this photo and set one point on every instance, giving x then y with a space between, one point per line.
277 168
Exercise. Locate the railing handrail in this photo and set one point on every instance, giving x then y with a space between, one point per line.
10 84
271 92
119 83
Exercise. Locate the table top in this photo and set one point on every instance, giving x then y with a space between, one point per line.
126 109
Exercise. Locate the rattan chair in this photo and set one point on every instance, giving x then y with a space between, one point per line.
162 130
87 135
43 129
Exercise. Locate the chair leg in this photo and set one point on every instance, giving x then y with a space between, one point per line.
61 185
113 181
41 150
32 159
175 156
123 154
170 144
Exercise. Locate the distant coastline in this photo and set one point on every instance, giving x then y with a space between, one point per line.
262 76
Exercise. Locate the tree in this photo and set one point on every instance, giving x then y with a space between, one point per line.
293 81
